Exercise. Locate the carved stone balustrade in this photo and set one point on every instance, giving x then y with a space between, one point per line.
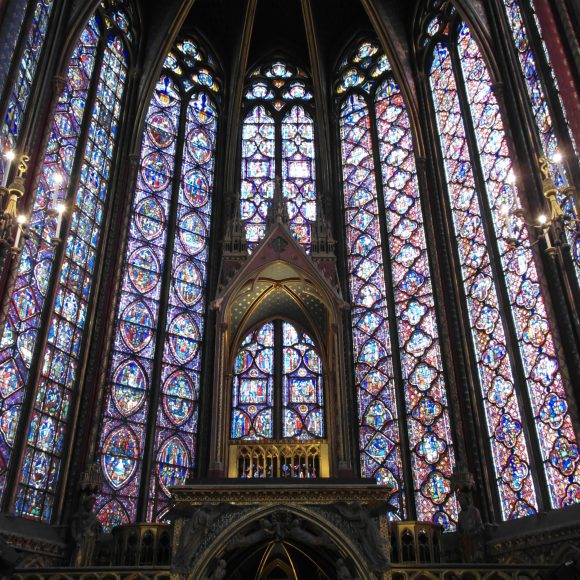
417 542
141 545
268 460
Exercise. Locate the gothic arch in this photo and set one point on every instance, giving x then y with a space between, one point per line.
218 547
242 304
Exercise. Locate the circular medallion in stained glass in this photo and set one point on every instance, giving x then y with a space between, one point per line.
244 360
150 218
172 464
183 338
188 283
161 130
144 270
264 360
315 423
137 326
189 48
178 395
196 188
436 487
312 360
155 171
365 50
292 423
119 459
199 145
263 423
129 387
265 335
192 233
240 424
291 360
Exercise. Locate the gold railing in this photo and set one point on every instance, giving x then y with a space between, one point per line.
279 459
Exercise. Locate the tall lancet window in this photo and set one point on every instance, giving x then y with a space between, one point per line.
513 343
150 410
278 143
522 32
402 395
40 365
17 76
277 385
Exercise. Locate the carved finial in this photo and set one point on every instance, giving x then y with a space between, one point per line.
322 239
549 189
23 165
544 167
235 235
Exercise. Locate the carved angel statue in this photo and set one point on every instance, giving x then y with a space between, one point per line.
85 530
361 519
195 529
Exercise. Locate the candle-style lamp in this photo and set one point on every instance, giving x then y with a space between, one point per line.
60 210
557 220
13 226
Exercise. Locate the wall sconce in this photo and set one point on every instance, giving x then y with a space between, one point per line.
558 218
13 226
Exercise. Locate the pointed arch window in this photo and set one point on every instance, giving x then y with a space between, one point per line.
513 343
543 117
150 410
399 375
39 364
278 143
33 29
277 386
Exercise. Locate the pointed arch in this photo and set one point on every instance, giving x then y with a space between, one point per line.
512 338
398 363
33 20
40 364
278 144
148 432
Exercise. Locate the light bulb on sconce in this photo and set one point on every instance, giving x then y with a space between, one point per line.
60 210
21 222
57 180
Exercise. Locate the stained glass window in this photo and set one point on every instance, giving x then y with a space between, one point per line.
253 390
542 115
272 400
157 346
10 32
298 172
479 185
278 142
55 387
258 172
302 396
389 264
27 65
